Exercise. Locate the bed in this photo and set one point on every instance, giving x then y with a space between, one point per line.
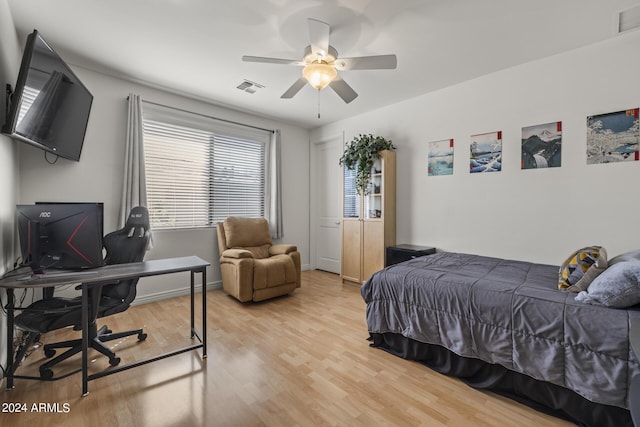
503 325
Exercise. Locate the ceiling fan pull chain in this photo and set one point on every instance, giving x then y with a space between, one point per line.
318 103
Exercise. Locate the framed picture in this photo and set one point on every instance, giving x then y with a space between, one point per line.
613 137
485 152
440 157
542 146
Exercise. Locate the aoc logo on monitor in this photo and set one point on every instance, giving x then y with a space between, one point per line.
45 214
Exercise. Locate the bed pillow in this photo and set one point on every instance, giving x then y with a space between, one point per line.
618 286
581 267
627 256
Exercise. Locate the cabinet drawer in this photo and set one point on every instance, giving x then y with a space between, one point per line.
400 253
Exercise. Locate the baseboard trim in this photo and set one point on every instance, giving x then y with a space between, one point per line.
159 296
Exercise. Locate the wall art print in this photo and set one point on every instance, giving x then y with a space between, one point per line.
486 152
613 137
440 157
542 146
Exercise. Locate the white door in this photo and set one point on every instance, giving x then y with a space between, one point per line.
328 204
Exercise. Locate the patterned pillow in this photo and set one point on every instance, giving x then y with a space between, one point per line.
582 266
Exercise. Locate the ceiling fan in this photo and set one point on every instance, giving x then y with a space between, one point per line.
321 64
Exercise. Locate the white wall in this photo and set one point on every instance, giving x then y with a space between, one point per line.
9 64
536 215
98 175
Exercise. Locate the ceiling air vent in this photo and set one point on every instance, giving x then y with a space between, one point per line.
249 86
629 19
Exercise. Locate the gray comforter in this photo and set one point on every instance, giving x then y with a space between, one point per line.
509 313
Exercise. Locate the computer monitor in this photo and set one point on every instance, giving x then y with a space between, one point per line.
61 235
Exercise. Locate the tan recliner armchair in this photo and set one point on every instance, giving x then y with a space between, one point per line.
252 268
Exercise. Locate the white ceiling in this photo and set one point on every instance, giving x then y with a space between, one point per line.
195 46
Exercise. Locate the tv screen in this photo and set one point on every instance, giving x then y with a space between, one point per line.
50 106
61 235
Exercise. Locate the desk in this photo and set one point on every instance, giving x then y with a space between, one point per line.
98 277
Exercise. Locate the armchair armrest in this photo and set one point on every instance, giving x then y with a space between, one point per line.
237 253
282 249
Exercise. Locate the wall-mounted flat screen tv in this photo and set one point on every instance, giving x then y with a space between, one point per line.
50 106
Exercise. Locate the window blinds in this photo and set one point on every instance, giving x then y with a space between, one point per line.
198 174
238 178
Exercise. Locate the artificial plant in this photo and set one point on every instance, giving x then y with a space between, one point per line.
360 155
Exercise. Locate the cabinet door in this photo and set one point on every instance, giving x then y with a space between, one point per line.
373 196
351 249
373 247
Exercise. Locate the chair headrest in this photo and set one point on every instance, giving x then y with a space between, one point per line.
246 232
138 217
130 243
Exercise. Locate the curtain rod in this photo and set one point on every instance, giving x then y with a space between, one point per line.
207 116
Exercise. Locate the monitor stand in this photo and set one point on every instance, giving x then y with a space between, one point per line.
34 252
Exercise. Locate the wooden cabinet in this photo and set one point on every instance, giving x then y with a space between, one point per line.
368 220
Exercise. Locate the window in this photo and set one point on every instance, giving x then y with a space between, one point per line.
199 172
351 200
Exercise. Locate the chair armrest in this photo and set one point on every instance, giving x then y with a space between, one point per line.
282 249
237 253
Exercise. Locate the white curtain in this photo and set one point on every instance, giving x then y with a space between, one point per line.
134 191
273 190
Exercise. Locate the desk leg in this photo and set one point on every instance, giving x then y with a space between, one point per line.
204 309
10 356
204 312
193 291
85 339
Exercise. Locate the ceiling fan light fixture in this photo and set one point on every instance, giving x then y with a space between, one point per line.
319 74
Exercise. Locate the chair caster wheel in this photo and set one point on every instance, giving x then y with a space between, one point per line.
49 352
46 373
142 336
114 361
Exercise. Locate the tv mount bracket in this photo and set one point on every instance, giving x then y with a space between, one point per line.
7 105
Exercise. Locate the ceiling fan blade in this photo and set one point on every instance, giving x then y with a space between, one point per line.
377 62
273 60
295 88
319 37
343 90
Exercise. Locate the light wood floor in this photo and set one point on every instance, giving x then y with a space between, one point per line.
299 360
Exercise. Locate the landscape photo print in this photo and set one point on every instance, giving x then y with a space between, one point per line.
542 146
440 157
485 152
613 137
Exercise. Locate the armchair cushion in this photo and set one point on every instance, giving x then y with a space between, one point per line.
282 249
246 232
259 252
273 271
